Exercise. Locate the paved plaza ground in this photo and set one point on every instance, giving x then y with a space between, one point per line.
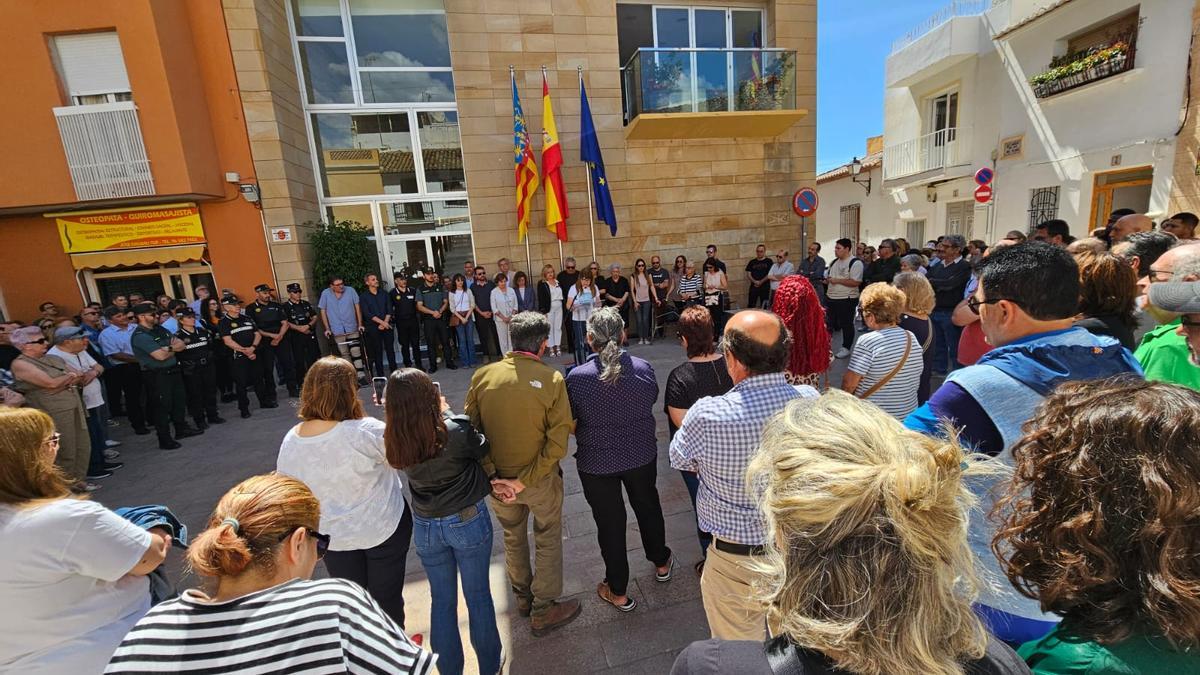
669 615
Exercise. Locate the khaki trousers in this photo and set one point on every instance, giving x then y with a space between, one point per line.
543 581
75 445
726 589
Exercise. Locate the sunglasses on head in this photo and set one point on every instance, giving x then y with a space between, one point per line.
321 539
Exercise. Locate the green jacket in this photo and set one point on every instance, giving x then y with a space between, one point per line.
1164 356
1061 653
521 405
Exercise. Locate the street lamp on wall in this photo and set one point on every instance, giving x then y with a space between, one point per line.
855 170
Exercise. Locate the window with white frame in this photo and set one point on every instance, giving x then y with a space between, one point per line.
91 67
369 52
848 221
914 232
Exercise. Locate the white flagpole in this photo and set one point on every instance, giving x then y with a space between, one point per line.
588 167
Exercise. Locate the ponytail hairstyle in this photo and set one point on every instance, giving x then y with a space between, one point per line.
605 328
249 524
867 556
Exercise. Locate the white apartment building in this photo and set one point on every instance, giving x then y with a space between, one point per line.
1075 104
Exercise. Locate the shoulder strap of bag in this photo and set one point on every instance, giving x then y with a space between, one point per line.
900 364
928 337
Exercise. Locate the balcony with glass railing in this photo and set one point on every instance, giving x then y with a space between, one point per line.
710 93
105 151
933 153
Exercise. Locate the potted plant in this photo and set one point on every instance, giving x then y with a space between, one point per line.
1072 70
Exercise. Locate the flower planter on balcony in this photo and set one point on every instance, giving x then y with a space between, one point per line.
1095 66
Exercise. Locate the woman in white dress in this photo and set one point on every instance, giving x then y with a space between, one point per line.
550 302
504 306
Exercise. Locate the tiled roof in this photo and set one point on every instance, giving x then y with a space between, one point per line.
401 161
871 161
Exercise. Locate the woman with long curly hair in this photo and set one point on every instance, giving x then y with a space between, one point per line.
868 569
796 302
1100 527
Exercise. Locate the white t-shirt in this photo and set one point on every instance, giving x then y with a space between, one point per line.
582 309
841 269
361 495
66 595
93 395
875 355
782 269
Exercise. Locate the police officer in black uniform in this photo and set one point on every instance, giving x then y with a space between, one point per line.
433 302
199 369
239 333
300 341
272 324
407 320
155 350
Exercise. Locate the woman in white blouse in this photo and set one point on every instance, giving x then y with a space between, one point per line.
462 306
504 306
550 302
581 302
338 451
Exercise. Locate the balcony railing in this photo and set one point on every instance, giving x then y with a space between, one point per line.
1085 67
937 150
104 149
955 8
709 80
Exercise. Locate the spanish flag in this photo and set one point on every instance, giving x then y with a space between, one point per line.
526 168
556 197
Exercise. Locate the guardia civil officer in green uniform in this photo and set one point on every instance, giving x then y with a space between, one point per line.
155 350
271 321
239 333
199 368
304 323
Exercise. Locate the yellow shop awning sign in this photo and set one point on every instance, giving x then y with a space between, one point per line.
116 229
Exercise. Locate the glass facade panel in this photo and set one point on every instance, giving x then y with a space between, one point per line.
747 28
403 33
318 18
427 218
441 151
355 213
672 27
407 87
326 73
365 154
710 28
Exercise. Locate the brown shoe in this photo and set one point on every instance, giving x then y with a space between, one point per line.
559 615
524 606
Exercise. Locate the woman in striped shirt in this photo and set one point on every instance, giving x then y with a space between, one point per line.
690 286
266 614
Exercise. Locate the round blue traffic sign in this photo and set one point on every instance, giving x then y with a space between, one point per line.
805 202
984 176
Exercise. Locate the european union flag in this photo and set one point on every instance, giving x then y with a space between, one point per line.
589 152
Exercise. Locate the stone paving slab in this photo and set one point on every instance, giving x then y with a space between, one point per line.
669 615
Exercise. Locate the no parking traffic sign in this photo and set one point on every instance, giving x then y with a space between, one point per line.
984 176
805 202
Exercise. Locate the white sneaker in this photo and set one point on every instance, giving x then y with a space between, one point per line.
111 454
91 487
842 353
111 443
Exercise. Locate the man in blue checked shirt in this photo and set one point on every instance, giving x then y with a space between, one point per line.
718 437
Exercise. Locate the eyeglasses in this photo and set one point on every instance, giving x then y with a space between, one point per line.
570 267
321 539
1153 274
1189 325
641 264
779 257
973 303
54 439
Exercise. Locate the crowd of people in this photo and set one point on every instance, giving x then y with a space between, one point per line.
1003 482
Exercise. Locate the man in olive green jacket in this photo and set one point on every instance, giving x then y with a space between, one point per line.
521 405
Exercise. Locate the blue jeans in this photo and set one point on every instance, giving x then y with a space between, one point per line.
466 342
95 425
450 546
579 329
692 480
645 319
945 341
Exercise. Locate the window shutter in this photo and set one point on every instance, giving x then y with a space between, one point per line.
91 63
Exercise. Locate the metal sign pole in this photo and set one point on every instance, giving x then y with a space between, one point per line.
803 237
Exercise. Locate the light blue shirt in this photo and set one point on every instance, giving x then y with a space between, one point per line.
342 320
172 326
113 340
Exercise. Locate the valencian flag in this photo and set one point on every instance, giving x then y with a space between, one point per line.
556 196
589 152
526 168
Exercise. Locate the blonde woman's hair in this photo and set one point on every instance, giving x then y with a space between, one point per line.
884 302
251 520
27 471
867 557
918 293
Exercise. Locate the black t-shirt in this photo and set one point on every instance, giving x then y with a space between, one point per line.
241 329
613 289
738 657
8 354
268 317
658 276
299 313
404 304
759 269
691 381
567 279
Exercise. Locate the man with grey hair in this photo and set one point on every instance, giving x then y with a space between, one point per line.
1163 352
885 267
521 404
949 281
505 268
716 440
